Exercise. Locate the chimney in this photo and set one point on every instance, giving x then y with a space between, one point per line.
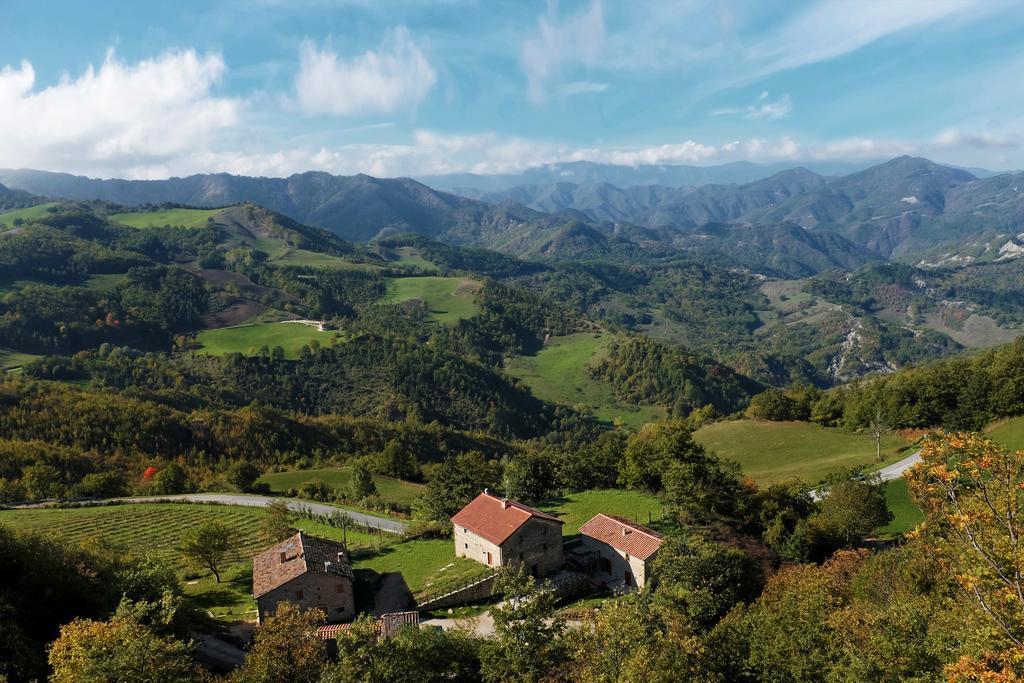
341 557
327 565
284 556
625 531
487 492
504 503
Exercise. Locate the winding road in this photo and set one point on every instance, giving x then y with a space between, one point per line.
390 526
887 473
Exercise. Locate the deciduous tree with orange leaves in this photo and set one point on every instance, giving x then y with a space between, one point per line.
972 492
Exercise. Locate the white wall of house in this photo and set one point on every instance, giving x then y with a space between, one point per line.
537 544
478 548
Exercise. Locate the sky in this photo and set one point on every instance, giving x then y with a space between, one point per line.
420 87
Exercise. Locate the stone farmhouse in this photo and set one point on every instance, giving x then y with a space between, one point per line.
497 531
625 550
310 572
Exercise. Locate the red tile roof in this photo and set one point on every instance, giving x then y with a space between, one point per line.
622 534
301 554
496 518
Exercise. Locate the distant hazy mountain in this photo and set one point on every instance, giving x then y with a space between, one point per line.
589 173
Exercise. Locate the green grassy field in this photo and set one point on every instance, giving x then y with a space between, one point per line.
183 218
247 339
425 565
449 298
1008 433
906 515
576 508
105 282
773 451
560 373
7 218
410 256
10 358
340 478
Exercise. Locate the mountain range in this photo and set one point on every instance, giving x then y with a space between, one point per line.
794 222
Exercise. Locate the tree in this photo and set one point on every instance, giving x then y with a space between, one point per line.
635 639
243 474
702 579
526 645
651 451
362 481
170 479
102 485
210 545
877 429
853 506
455 481
529 477
121 649
971 492
286 647
42 481
412 654
276 524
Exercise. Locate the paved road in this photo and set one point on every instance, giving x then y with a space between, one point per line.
896 470
887 473
391 526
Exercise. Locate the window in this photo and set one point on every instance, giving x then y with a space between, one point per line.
299 595
341 588
466 546
545 547
544 530
339 610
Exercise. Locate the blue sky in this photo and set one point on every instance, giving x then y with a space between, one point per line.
271 87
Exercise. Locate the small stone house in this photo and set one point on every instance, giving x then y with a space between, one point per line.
497 531
625 550
310 572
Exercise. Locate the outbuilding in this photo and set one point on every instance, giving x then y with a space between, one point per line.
625 549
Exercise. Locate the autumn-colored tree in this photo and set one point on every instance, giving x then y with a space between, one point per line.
118 650
285 648
972 492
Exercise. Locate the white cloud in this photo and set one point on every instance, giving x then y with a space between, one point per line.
561 45
836 27
395 76
770 110
114 119
764 109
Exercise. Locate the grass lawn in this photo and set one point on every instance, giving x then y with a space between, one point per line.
7 218
906 515
1007 433
560 373
773 451
410 256
182 218
247 339
340 478
449 298
576 508
427 565
105 282
10 359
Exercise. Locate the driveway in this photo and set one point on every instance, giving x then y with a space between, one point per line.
390 526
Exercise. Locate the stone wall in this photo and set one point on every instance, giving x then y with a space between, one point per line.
318 591
480 590
620 562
